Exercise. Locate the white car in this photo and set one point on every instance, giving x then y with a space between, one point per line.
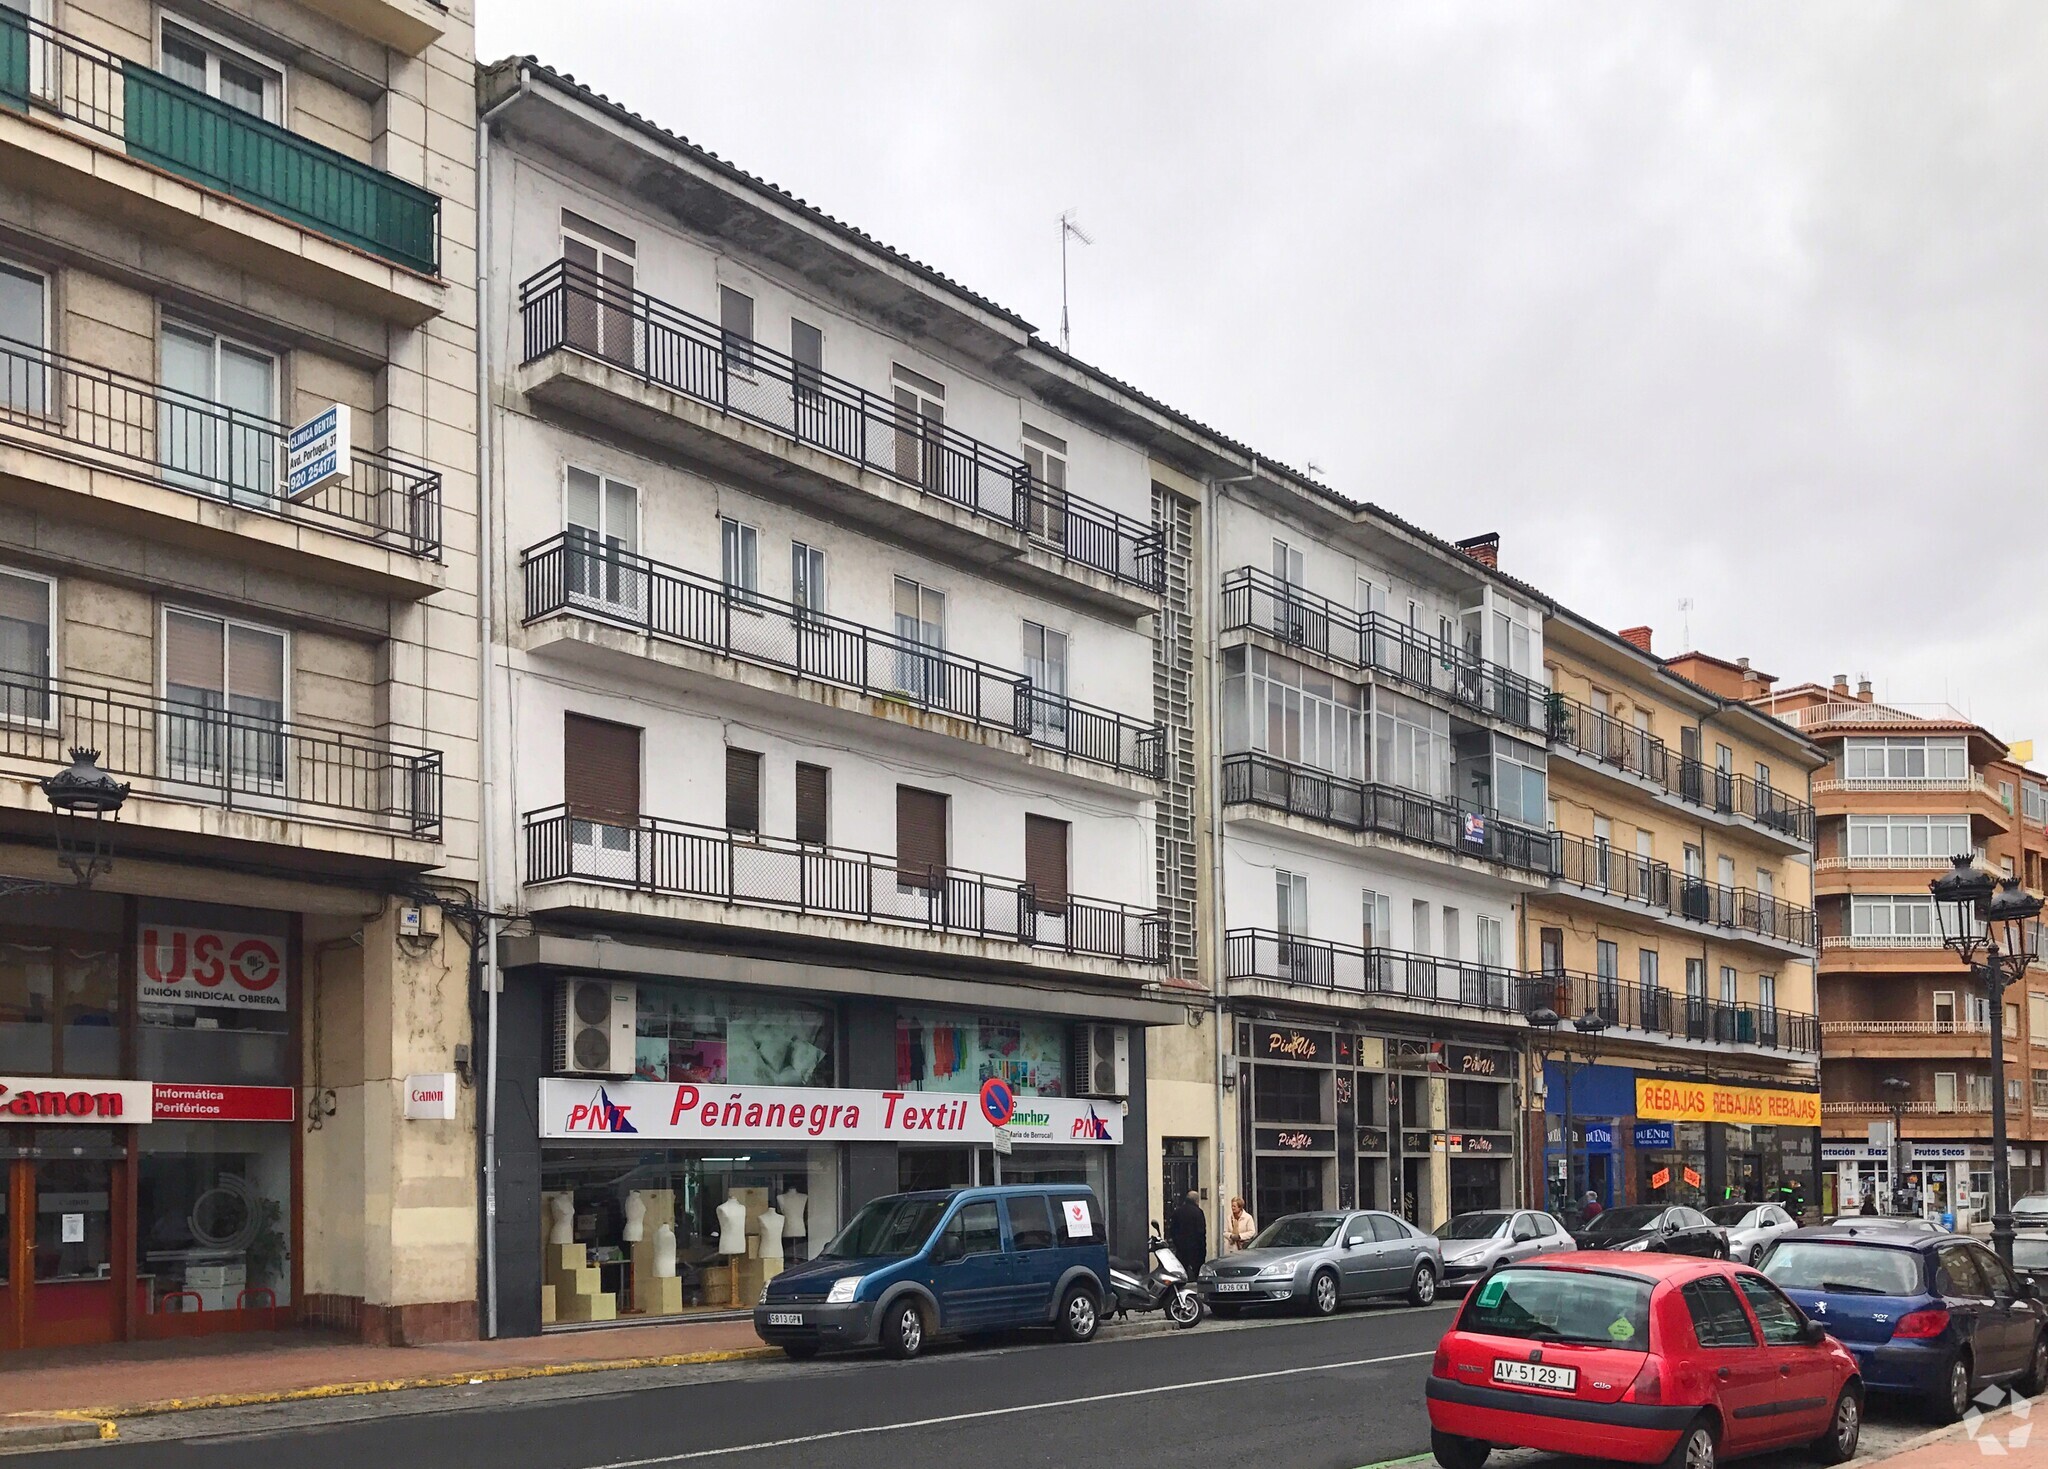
1474 1244
2030 1212
1751 1228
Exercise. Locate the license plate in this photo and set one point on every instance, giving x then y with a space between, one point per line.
1536 1374
785 1318
1231 1285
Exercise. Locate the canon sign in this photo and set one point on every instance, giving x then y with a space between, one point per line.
206 966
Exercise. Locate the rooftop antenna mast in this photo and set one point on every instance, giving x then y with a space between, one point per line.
1685 612
1068 228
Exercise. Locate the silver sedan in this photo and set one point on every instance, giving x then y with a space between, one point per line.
1751 1228
1320 1261
1473 1244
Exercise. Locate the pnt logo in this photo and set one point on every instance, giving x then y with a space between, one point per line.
1091 1128
601 1114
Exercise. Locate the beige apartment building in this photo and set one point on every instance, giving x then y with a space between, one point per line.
219 223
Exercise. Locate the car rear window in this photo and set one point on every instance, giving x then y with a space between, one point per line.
1842 1268
1562 1305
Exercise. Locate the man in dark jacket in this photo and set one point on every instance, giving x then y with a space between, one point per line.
1188 1232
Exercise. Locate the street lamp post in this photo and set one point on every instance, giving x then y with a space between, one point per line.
1589 1026
1976 913
1896 1089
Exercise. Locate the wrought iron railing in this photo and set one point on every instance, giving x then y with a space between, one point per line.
1601 736
1371 642
1253 953
685 860
226 757
569 573
211 450
186 132
569 307
1388 810
1600 867
1629 1005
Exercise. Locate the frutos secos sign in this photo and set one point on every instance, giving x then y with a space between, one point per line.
210 967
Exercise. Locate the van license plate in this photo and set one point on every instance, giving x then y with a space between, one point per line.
785 1318
1536 1374
1224 1286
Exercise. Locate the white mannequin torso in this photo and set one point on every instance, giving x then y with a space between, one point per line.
664 1251
562 1220
732 1228
771 1235
636 1219
792 1204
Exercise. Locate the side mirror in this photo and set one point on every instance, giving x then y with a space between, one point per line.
1813 1333
949 1247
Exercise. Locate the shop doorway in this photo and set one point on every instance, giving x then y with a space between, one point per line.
1180 1170
65 1227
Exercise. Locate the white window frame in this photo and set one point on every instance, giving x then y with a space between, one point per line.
43 409
1288 887
810 572
49 719
738 538
277 108
739 362
228 623
1377 918
1491 935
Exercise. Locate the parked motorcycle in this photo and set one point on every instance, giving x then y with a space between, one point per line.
1165 1286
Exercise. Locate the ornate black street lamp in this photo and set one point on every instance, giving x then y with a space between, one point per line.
82 796
1573 1057
1896 1090
1980 916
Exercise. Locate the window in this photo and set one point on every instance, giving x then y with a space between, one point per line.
743 791
224 73
217 417
974 1231
1030 1222
920 633
2034 803
1372 598
1046 454
813 804
1519 779
600 315
2037 1017
2040 1090
1718 1319
1725 867
1418 927
1045 664
1290 902
1909 836
1944 1011
1473 1104
1729 984
1454 927
736 330
1412 745
740 557
806 577
1386 1227
1607 957
24 336
1491 951
1944 1091
1885 916
920 428
1287 565
920 839
807 354
1724 759
1646 859
601 788
2005 794
1695 862
1906 760
1763 776
25 653
1783 1325
1646 968
1767 991
1603 846
601 518
1956 1273
1766 884
1280 708
227 679
1378 920
1046 842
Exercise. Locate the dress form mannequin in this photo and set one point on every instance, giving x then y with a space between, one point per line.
792 1204
664 1252
562 1228
732 1228
636 1216
771 1235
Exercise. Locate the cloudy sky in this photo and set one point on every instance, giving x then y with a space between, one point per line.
1740 304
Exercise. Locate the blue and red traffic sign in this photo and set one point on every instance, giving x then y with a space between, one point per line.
998 1102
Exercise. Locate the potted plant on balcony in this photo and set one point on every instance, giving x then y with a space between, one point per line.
1557 716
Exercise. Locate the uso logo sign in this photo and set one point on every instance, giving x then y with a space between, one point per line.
208 966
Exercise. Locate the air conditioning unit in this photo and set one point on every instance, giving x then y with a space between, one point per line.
1102 1061
594 1028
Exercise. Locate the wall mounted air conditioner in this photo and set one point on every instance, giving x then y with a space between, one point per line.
594 1027
1102 1061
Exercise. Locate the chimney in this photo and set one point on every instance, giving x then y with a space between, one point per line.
1752 681
1483 549
1840 685
1637 638
1863 691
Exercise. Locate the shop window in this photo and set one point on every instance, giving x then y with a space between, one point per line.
1474 1104
706 1036
1289 1094
60 986
214 995
956 1051
213 1209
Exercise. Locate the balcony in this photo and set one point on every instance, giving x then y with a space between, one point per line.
1828 784
1371 643
1911 1109
1602 740
681 860
1257 954
1913 863
1623 878
277 778
1905 1039
170 128
202 472
567 309
1653 1010
570 575
1384 810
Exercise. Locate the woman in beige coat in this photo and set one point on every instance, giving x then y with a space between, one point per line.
1240 1228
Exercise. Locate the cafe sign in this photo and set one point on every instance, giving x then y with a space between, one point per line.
1294 1140
1476 1061
1287 1043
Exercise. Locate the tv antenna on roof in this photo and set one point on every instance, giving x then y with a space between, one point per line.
1685 612
1068 227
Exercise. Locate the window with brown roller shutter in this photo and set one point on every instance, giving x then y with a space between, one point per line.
920 837
813 804
743 790
601 770
1045 862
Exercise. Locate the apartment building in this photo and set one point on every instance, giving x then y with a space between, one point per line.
1908 788
220 222
1681 914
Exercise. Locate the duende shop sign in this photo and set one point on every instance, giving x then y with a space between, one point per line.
210 967
707 1112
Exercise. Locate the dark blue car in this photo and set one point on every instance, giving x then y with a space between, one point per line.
1937 1317
951 1262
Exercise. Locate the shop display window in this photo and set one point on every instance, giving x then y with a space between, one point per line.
60 985
956 1051
1476 1105
213 1209
688 1034
216 1032
1290 1094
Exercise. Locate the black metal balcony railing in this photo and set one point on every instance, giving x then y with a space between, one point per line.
184 131
1298 790
1650 1008
1602 868
1602 737
1252 953
1371 642
685 860
568 573
224 757
567 306
211 450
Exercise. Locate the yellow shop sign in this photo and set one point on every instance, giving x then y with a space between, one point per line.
1705 1101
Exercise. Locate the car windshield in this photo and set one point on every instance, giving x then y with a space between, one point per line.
1730 1214
1841 1268
895 1226
2030 1253
1562 1305
1626 1221
1473 1226
1298 1232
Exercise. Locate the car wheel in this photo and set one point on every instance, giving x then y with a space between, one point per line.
1423 1290
903 1330
1756 1254
1695 1447
1845 1428
1078 1315
800 1351
1453 1452
2035 1382
1951 1400
1322 1294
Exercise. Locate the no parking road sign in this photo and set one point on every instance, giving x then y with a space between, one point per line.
998 1102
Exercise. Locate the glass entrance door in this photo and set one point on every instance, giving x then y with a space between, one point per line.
65 1232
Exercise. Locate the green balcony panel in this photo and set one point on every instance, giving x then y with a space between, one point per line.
13 59
203 139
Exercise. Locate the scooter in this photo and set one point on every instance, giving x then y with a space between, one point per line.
1163 1287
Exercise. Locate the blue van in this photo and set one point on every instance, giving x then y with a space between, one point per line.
949 1262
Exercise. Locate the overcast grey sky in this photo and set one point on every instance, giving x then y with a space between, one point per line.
1746 304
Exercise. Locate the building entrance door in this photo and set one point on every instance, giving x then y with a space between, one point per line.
1180 1166
66 1232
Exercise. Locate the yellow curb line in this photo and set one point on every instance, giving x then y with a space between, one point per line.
403 1384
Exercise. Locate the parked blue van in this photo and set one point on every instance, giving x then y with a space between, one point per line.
948 1262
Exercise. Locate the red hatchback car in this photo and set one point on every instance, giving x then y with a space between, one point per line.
1651 1359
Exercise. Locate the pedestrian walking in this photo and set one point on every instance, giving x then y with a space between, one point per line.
1240 1229
1188 1232
1591 1209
